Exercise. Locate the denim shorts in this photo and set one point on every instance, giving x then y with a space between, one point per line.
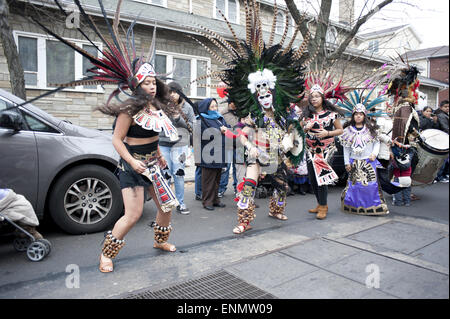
128 177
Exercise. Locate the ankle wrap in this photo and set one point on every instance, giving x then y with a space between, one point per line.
246 215
111 245
161 232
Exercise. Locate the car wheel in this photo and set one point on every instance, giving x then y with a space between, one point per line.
86 199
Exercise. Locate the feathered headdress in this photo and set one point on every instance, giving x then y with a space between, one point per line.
324 82
358 103
118 63
251 66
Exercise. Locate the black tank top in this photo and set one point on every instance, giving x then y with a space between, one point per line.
138 132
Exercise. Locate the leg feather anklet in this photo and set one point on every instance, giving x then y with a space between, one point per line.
111 245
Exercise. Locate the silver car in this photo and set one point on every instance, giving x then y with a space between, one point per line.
62 169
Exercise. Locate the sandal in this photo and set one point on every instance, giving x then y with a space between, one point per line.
242 227
165 246
279 216
105 266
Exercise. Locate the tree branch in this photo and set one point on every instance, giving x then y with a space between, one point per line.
355 29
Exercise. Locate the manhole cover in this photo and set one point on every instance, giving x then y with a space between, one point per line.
218 285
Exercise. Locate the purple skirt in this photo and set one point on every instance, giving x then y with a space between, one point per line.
363 194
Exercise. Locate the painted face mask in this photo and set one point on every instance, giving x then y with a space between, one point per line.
266 100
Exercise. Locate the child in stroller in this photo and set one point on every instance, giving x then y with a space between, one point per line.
17 211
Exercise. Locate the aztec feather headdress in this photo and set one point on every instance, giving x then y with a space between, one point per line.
253 69
251 62
325 83
118 63
359 103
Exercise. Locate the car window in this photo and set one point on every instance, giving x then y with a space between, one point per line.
36 125
4 104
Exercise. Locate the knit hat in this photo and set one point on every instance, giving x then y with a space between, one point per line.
175 86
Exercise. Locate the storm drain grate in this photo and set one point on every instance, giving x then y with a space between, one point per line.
218 285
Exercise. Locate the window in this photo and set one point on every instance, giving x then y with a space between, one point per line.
373 46
279 28
229 8
28 58
331 37
187 69
36 125
162 3
47 62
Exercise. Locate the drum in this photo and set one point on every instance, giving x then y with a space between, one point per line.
432 151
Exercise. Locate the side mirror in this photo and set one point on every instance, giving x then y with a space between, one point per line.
11 120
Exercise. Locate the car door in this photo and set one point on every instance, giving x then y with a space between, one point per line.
18 158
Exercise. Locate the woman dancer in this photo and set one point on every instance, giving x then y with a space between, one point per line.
363 194
321 124
139 121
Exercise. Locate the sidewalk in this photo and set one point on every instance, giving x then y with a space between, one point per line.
396 257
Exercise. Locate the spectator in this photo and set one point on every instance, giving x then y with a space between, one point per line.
442 116
232 120
212 152
176 152
427 119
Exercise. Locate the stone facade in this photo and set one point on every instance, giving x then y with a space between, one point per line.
78 106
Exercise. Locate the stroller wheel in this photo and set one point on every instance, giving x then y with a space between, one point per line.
48 246
21 244
36 251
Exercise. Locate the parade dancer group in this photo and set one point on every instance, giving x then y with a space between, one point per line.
263 80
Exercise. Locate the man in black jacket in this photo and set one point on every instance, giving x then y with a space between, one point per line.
442 115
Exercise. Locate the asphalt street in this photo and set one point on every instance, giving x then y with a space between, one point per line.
410 246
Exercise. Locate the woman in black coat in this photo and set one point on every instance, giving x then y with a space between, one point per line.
427 119
212 152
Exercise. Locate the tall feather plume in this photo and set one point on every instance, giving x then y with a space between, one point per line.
294 36
301 49
236 39
214 54
286 28
219 39
152 49
92 24
248 23
274 24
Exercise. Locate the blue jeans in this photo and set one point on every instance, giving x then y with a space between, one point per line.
403 197
176 167
226 176
198 181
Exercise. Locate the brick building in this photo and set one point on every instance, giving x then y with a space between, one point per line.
48 61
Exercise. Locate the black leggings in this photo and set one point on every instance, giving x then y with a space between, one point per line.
321 192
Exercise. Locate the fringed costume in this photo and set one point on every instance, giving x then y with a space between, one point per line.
119 64
363 194
321 150
262 80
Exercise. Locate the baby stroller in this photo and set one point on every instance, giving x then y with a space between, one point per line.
37 249
15 209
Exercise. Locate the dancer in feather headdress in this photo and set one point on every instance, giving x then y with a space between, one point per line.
262 80
363 194
139 120
321 124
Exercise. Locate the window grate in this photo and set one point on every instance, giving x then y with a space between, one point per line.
218 285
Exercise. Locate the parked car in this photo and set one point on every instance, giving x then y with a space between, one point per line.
64 170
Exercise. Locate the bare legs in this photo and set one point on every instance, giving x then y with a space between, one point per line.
133 199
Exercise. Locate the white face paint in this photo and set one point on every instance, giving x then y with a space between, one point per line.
262 88
266 100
